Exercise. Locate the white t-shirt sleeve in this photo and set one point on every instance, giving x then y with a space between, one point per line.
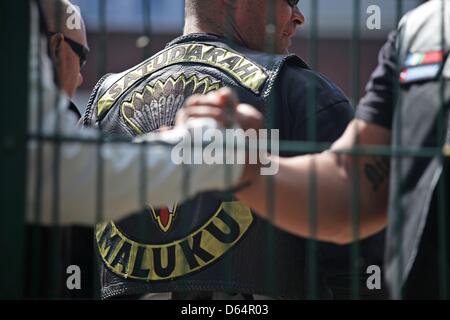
71 181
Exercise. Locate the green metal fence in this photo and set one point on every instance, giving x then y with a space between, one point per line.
13 149
44 263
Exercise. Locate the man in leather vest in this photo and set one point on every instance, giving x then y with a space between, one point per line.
406 106
183 250
73 227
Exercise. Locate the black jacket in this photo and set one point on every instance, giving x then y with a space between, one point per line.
209 243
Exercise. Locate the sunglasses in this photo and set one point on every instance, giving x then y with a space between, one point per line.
293 3
80 50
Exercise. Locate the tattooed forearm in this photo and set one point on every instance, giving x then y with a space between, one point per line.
377 171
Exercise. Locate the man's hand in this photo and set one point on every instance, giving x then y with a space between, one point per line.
224 107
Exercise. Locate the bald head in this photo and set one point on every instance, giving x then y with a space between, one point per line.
194 7
204 16
68 36
245 21
63 17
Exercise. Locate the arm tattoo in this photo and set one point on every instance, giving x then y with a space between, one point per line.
377 171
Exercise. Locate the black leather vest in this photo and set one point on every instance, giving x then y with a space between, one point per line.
424 72
209 243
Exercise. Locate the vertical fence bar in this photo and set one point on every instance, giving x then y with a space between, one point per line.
355 250
144 155
146 16
398 12
34 244
270 107
312 246
55 244
313 47
143 177
229 21
442 185
101 70
15 19
55 236
394 106
397 142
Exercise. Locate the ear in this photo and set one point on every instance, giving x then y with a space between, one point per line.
55 43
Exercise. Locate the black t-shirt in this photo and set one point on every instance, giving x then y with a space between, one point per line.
377 105
309 98
306 95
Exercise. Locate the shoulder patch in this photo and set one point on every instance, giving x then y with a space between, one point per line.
422 66
246 72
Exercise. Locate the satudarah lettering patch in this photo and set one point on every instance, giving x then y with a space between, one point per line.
246 72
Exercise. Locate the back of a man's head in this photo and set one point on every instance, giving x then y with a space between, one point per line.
192 7
67 36
62 16
205 16
203 9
